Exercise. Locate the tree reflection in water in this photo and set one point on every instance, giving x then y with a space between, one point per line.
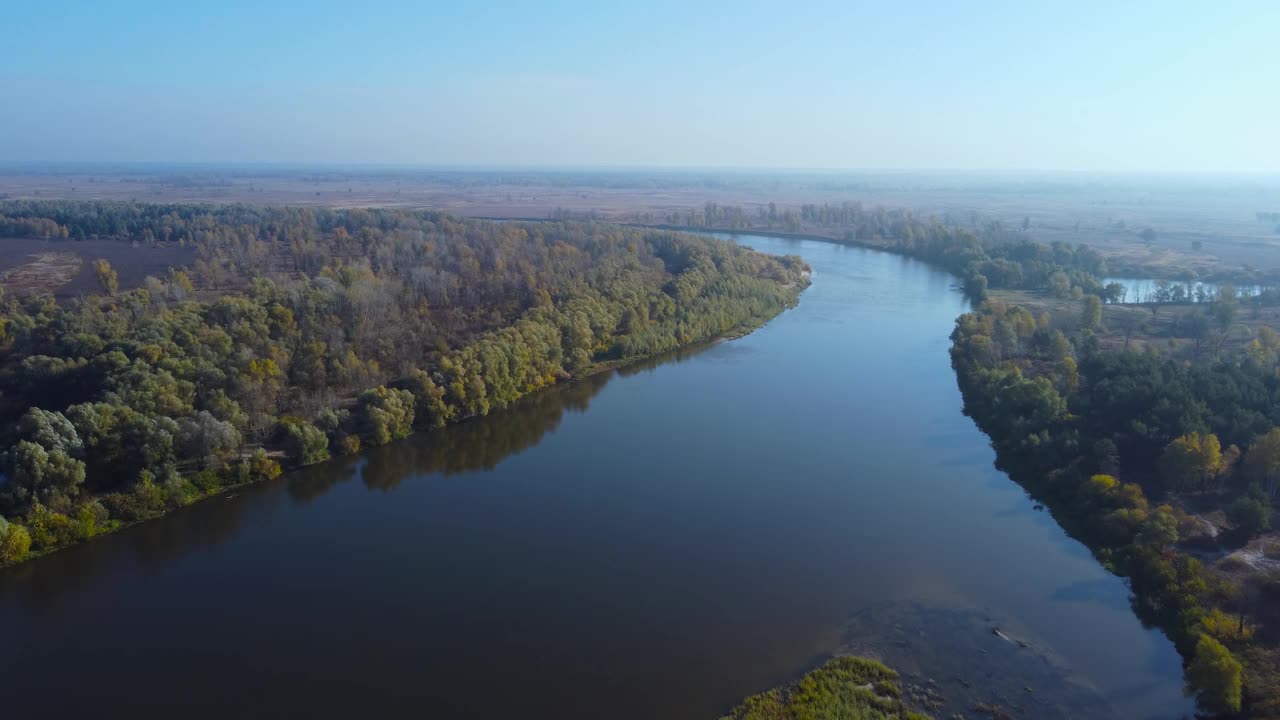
474 445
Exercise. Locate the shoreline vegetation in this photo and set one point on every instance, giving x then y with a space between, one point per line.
1130 450
883 228
1163 457
299 334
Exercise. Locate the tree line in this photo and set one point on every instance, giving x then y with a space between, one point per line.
985 256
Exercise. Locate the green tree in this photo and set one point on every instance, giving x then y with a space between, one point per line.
1059 284
976 286
1251 512
1068 375
1059 346
1159 530
1224 313
203 436
432 410
50 430
305 444
1214 677
37 475
388 414
108 280
1091 313
261 467
48 529
1107 456
1262 461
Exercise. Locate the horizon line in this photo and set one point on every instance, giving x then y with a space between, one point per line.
602 168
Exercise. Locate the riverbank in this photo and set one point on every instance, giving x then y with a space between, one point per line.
262 466
307 350
1172 266
1083 426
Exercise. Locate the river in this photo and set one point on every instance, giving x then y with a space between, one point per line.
652 543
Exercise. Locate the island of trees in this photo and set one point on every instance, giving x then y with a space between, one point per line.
845 687
298 333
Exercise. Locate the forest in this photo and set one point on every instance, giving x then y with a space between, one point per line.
986 255
297 334
1131 449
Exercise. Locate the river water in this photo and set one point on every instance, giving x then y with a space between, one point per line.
653 543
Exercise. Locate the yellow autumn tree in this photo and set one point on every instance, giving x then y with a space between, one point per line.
1191 461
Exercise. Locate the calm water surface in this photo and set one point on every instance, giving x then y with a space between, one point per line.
655 543
1139 290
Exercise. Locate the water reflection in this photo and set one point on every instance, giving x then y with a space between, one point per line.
144 549
481 443
1150 290
477 444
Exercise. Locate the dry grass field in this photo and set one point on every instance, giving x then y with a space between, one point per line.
64 267
1200 224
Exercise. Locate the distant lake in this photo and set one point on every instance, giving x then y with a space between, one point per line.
1139 290
652 543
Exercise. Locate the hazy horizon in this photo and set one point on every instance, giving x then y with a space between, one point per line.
998 87
782 171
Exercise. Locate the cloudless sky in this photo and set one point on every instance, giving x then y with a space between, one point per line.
1168 85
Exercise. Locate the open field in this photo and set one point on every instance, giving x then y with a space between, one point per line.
1200 224
65 267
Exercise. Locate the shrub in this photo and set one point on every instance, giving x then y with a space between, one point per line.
263 467
345 443
1214 677
1251 513
387 414
15 543
207 481
88 520
329 421
179 491
48 529
304 444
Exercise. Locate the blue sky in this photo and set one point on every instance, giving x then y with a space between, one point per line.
1100 86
